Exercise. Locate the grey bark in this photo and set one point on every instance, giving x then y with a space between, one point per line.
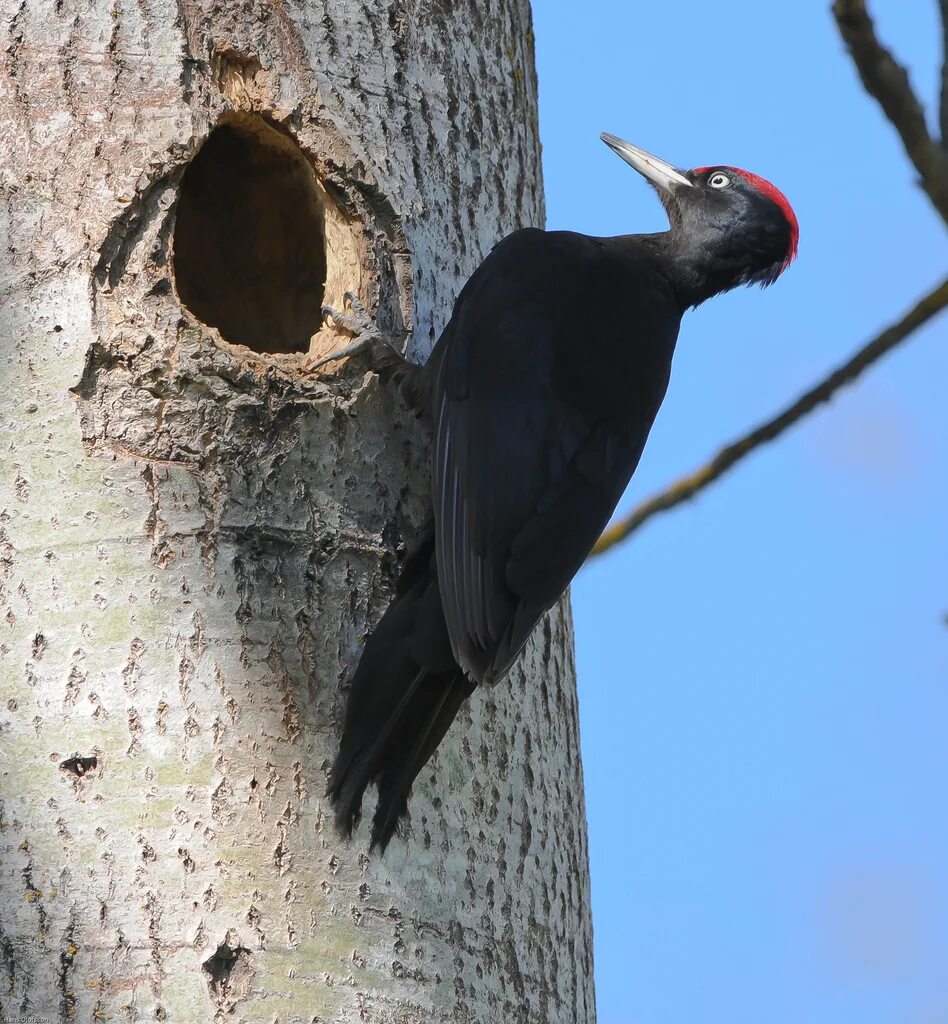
195 536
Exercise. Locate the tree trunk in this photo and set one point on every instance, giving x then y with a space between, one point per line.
196 531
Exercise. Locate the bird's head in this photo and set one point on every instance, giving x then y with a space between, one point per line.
731 225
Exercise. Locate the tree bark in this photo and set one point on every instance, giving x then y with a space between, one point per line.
195 534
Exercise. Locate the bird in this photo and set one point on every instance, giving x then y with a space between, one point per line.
540 392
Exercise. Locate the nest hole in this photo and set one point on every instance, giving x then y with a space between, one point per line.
250 238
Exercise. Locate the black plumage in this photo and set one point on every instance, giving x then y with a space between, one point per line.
541 392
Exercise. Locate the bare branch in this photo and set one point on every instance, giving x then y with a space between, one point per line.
944 73
688 486
888 82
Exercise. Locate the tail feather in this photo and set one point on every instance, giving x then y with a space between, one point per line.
355 768
395 784
406 692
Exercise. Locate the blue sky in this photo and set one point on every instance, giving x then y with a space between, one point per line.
764 673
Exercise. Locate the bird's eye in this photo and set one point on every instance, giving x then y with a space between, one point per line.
719 180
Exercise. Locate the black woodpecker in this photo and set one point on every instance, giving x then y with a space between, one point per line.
540 405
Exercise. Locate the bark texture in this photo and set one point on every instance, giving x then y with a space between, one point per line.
194 535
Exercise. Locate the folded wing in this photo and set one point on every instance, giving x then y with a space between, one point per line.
532 452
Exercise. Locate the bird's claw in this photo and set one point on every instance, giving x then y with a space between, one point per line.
357 321
363 343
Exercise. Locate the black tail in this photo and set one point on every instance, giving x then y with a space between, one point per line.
405 695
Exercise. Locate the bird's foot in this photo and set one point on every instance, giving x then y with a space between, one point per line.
369 339
356 318
377 350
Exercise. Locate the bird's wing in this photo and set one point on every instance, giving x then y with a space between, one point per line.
527 467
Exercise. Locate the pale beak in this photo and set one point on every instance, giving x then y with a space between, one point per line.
657 171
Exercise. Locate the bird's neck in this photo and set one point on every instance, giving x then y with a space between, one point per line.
696 271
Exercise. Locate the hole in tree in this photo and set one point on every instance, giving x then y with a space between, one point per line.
79 765
250 238
229 972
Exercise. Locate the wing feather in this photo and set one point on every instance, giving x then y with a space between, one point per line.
527 467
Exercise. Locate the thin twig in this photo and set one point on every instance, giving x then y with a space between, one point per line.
944 73
688 486
888 82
